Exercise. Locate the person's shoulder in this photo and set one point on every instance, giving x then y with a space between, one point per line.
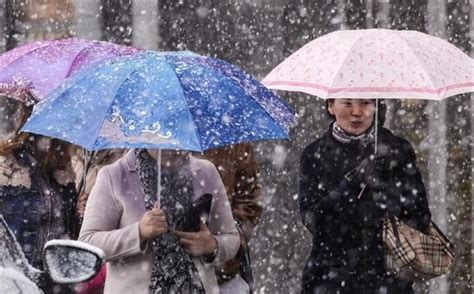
394 141
200 163
314 146
116 167
203 169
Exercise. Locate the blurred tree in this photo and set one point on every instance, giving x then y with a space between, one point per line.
3 25
459 155
14 15
48 19
305 20
356 14
180 25
205 27
145 24
117 21
408 14
436 146
87 19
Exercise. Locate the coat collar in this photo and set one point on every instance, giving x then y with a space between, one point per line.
130 162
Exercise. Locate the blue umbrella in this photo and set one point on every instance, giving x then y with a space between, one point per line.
168 100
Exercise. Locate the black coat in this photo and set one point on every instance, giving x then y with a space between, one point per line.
27 211
347 251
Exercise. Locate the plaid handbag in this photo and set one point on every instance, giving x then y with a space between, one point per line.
413 255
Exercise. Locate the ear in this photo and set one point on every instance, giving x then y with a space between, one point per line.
331 108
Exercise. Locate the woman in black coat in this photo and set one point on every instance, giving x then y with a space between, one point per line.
37 191
345 192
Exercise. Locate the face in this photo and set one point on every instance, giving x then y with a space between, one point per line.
355 116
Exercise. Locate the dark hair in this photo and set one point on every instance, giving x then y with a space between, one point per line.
57 157
382 110
17 139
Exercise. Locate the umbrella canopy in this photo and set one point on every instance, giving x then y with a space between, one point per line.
171 100
39 67
376 63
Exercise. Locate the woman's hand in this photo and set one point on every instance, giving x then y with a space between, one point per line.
372 171
153 224
197 244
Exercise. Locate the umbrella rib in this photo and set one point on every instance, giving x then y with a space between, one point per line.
256 101
274 118
342 62
23 55
52 42
108 109
77 55
406 44
168 64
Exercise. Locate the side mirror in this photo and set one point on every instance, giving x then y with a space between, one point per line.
69 261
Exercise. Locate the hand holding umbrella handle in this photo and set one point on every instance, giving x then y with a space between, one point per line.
371 172
152 224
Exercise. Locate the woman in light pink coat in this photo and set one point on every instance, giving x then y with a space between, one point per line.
160 245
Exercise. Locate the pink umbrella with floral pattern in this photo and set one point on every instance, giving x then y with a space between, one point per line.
376 63
32 71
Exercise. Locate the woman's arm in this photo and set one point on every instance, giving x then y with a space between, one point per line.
101 222
221 221
407 195
320 208
246 206
221 235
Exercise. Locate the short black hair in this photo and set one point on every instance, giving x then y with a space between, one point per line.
382 107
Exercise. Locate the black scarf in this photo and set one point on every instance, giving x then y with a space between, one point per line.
173 269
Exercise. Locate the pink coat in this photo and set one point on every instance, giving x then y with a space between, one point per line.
113 212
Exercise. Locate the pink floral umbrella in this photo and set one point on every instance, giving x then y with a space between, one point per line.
30 72
376 63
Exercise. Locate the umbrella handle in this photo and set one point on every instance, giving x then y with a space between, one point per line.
158 188
376 123
375 143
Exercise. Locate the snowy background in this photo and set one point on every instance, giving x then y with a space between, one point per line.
257 35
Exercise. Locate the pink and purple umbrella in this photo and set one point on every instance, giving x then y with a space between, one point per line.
32 71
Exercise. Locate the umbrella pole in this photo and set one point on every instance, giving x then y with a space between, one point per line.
158 188
376 123
375 143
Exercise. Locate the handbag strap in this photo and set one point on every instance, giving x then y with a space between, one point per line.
245 262
393 222
449 245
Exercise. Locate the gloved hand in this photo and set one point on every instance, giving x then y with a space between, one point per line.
373 171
